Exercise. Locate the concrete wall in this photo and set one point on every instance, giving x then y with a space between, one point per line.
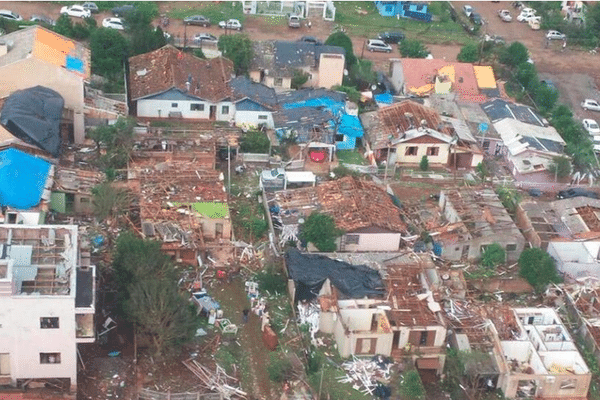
331 70
209 226
285 85
346 342
22 337
251 118
396 75
453 251
547 385
161 108
440 159
32 72
374 242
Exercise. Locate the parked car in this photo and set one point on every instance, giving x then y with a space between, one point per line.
576 192
535 23
494 38
231 24
10 15
310 39
591 126
91 6
476 19
589 104
535 192
525 16
505 15
76 11
113 23
205 38
391 37
528 10
378 45
555 35
122 10
548 83
468 10
294 21
43 19
200 20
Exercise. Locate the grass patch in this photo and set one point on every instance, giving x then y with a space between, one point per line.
330 387
350 157
443 31
214 11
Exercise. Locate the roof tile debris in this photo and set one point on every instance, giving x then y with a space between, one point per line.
160 70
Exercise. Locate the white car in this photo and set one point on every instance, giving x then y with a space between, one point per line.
231 24
468 10
525 16
589 104
591 126
76 11
10 15
113 23
378 45
205 38
505 15
555 35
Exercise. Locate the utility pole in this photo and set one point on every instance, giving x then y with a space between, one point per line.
228 170
362 53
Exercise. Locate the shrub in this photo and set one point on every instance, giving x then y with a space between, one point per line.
538 268
469 53
493 255
279 368
424 164
413 49
320 230
411 387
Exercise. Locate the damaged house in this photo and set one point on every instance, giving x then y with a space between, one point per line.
403 133
254 103
364 211
474 220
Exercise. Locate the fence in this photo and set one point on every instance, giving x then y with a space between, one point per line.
363 169
253 157
147 394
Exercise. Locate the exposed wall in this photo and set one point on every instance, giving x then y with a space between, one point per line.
374 242
286 83
252 118
524 224
155 108
454 251
396 74
547 385
331 70
440 159
209 227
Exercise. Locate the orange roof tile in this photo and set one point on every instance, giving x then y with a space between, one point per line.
54 49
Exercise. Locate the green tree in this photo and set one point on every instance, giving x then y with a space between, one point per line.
352 93
109 201
199 53
143 36
413 49
514 54
342 40
538 268
320 230
299 78
109 51
493 255
469 53
424 164
411 387
546 97
361 75
64 26
117 139
161 313
238 48
560 167
526 73
254 142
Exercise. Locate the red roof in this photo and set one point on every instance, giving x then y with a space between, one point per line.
167 68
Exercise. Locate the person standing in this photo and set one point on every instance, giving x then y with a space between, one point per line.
245 315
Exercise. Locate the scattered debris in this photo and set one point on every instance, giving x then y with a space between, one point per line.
366 374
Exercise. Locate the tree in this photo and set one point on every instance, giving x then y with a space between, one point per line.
526 73
352 93
238 48
469 53
109 201
538 268
109 51
143 36
117 139
64 26
493 255
514 54
320 230
546 97
160 312
199 53
342 40
299 78
411 387
255 142
361 75
413 49
560 167
424 164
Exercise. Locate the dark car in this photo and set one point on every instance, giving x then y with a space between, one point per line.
534 192
122 10
200 20
91 6
476 18
310 39
43 19
576 192
391 37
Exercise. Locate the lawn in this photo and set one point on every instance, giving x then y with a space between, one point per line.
442 31
351 157
215 11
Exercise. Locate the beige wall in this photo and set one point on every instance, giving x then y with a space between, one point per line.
270 82
32 72
346 342
209 227
331 70
375 242
548 386
441 158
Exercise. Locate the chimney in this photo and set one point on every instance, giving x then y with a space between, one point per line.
3 48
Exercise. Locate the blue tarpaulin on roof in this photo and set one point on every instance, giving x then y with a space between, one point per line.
384 98
351 128
74 64
336 107
22 179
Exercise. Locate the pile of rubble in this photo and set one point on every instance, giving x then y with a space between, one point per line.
366 375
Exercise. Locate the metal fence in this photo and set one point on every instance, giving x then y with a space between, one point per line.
147 394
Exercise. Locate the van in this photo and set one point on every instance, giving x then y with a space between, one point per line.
294 21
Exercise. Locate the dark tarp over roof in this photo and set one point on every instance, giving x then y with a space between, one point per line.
309 272
84 290
33 115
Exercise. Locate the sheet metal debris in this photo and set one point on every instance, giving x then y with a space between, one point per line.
366 374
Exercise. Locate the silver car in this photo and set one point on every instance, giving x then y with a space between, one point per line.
378 45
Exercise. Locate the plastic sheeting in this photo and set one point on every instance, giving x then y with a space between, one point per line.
22 179
336 107
309 272
384 98
33 115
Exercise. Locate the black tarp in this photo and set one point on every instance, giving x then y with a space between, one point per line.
309 272
33 115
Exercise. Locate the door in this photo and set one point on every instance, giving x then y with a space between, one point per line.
366 345
213 113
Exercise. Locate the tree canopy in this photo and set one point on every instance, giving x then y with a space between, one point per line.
493 255
342 40
238 48
514 54
538 268
469 53
411 386
560 167
320 230
109 51
413 49
255 142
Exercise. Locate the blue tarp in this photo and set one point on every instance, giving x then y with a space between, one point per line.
74 64
351 128
336 107
22 179
384 98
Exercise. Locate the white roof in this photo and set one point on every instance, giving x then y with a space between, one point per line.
512 132
300 176
419 132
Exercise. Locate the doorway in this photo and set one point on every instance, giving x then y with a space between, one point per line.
213 113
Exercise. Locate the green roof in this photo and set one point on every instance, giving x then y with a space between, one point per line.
209 209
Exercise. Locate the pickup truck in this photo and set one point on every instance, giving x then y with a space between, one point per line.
294 21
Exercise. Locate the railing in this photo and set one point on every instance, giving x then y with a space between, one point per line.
147 394
253 157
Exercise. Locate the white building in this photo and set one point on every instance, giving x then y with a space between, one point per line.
46 305
576 259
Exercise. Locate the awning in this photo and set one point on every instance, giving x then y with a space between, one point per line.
428 363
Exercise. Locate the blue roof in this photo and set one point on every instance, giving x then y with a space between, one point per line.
384 98
22 179
336 107
350 126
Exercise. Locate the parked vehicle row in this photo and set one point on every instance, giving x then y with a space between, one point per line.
589 104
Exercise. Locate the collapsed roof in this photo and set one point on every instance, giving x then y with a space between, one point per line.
33 115
309 272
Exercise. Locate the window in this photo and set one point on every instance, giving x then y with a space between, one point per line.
263 117
278 81
4 364
49 358
423 339
225 110
411 151
84 200
433 151
196 107
486 145
49 323
174 105
511 247
12 218
352 239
